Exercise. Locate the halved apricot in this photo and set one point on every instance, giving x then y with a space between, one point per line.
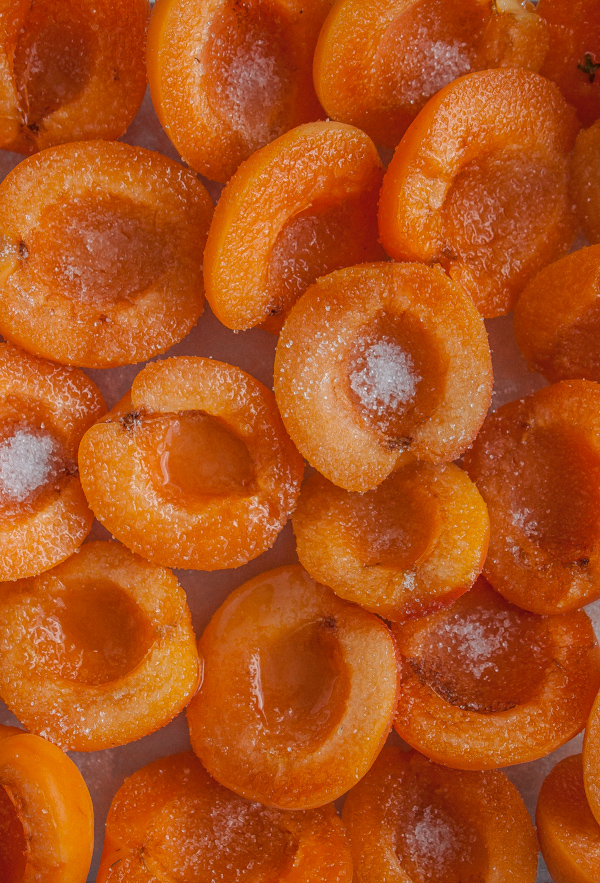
486 684
100 253
299 691
410 820
536 463
585 180
410 546
480 184
378 364
591 759
171 820
515 36
98 651
301 207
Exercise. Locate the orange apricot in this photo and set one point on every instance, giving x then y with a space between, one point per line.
171 820
591 759
515 36
101 253
299 208
227 77
479 184
585 180
98 651
536 463
193 468
44 411
46 814
69 71
410 546
410 820
311 685
378 364
487 684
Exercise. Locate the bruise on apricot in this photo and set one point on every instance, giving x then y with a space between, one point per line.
585 181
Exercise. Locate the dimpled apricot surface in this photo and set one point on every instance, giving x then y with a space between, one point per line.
171 820
368 374
301 207
486 684
411 821
585 180
311 684
480 184
194 468
413 544
44 411
98 651
101 253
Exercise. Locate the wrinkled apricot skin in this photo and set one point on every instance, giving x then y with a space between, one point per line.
591 760
479 184
46 814
304 717
299 208
585 180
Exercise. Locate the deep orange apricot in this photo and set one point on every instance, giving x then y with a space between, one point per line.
378 364
44 411
299 691
585 180
171 820
410 546
591 759
536 463
193 468
410 820
69 71
101 253
98 651
479 184
46 814
569 835
515 36
299 208
486 684
228 76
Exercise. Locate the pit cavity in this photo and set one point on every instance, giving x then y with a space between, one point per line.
13 845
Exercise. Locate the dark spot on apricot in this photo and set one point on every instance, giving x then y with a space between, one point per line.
23 251
583 562
131 420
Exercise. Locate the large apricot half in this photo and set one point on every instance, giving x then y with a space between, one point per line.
378 364
299 208
585 180
311 685
171 820
486 684
480 184
46 815
101 253
98 651
410 821
536 463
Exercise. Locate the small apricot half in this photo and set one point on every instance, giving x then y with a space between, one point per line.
299 691
585 180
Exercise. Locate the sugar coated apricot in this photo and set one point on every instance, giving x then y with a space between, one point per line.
171 820
193 468
410 821
100 253
480 184
585 180
486 684
410 546
46 815
98 651
69 71
311 684
591 759
378 364
299 208
44 411
536 463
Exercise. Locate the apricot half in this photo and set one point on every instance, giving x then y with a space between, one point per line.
585 180
591 760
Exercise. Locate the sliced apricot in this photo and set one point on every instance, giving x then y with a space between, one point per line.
193 468
536 463
410 821
585 180
46 815
591 759
100 253
410 546
486 684
480 184
378 364
299 208
515 36
98 651
311 683
69 71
